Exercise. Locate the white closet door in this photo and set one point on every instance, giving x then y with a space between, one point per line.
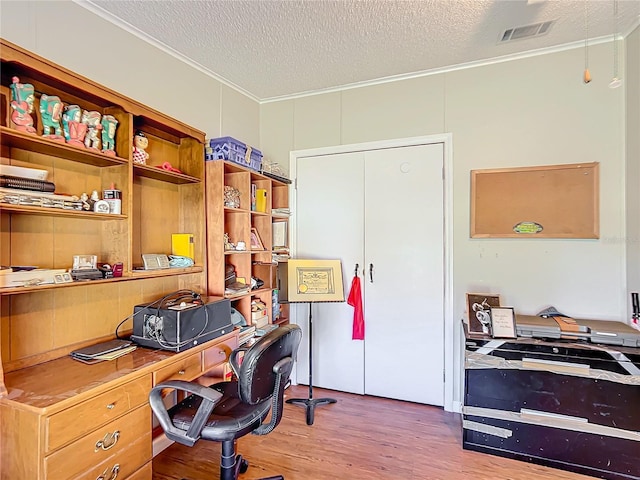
329 225
404 305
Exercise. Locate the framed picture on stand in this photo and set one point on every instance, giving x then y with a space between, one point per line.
479 311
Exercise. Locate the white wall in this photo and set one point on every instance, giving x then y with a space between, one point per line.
532 111
77 39
631 77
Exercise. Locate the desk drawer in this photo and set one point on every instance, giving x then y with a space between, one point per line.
186 369
125 442
218 354
80 419
145 473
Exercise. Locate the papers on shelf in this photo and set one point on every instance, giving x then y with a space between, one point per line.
280 212
280 257
14 196
37 276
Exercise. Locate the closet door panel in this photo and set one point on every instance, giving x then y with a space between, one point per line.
404 317
329 225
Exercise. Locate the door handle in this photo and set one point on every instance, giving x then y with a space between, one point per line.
371 273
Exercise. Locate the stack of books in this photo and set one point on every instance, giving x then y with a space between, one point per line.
236 289
29 186
234 286
259 315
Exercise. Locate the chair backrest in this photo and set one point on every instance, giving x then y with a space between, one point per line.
261 363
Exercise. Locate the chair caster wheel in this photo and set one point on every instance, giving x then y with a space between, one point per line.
244 466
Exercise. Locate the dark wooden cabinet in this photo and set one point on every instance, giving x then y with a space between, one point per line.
569 405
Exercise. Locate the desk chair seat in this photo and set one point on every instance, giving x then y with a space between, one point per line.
229 410
230 419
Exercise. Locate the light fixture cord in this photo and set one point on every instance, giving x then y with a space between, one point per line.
586 34
615 35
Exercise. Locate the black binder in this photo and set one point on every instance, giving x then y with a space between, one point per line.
21 183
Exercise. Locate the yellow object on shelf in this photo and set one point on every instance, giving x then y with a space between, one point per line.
182 245
261 200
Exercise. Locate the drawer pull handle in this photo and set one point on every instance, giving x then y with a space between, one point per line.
111 406
109 440
114 473
181 372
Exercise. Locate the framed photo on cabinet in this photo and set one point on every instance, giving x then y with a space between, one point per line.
503 322
479 311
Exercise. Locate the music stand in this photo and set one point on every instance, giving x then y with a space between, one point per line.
313 281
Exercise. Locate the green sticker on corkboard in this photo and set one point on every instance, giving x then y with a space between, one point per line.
527 227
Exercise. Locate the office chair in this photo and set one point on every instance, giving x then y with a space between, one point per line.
229 410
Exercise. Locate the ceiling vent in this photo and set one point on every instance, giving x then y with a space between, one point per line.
527 31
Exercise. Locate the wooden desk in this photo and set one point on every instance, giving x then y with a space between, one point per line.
569 405
64 419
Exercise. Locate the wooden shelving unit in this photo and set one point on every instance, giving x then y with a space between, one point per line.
237 224
156 202
41 324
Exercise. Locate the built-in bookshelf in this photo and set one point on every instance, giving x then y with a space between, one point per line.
230 226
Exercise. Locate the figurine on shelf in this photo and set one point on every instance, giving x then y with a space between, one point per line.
92 137
109 124
140 143
93 199
227 243
84 198
22 105
72 126
51 114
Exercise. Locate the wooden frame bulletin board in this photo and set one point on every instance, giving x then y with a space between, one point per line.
551 201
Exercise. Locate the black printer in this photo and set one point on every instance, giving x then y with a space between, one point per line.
181 321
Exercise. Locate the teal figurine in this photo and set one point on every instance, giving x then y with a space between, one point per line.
72 126
109 125
51 114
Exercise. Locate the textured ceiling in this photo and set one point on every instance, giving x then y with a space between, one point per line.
275 48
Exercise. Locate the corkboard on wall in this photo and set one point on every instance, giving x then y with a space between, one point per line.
550 201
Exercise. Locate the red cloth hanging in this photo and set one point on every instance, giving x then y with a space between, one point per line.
355 300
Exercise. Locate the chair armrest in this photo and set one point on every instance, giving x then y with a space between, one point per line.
233 359
209 400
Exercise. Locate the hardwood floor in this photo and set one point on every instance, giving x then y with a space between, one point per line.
358 438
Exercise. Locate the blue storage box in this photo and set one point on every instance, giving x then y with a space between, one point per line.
228 148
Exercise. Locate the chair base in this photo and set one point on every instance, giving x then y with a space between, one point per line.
310 405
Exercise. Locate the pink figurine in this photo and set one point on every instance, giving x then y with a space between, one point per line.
92 121
22 105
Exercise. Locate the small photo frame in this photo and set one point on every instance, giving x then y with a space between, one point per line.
503 322
62 278
479 311
256 242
